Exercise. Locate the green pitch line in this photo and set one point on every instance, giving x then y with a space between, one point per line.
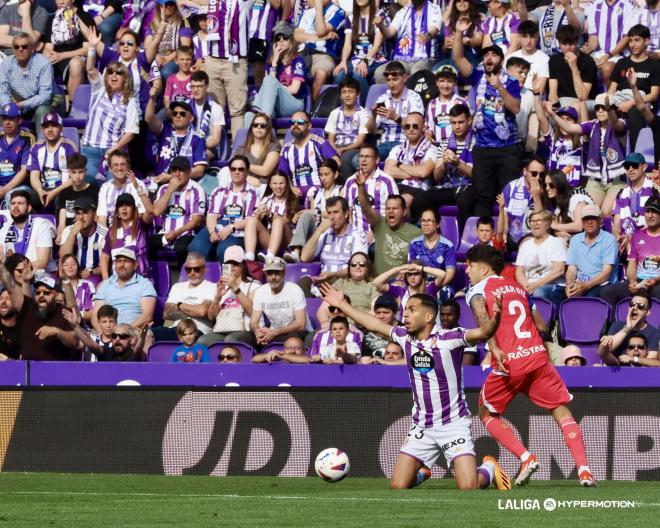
68 500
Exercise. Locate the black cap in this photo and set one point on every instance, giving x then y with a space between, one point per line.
180 163
85 203
494 49
125 199
386 301
181 104
653 203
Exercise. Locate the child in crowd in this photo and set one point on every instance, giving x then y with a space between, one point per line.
438 126
177 87
188 351
340 350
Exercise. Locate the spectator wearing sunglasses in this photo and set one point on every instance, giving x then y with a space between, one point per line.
637 352
642 269
615 344
188 300
283 90
229 354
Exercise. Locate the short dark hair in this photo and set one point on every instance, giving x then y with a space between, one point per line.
186 50
373 148
331 164
119 154
460 109
639 30
640 335
351 83
446 72
427 302
76 161
334 200
452 303
395 66
13 260
528 28
200 76
240 157
646 295
534 157
434 211
568 34
107 310
486 220
340 319
518 61
397 197
486 254
21 193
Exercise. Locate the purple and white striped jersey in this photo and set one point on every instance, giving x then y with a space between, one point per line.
323 340
109 193
316 198
410 101
500 29
606 21
226 27
650 19
275 206
417 155
301 164
88 249
200 46
182 206
51 165
262 17
435 367
629 205
232 206
85 292
347 128
437 117
334 251
378 187
109 119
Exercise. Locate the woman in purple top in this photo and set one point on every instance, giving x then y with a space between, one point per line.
414 281
169 30
83 289
127 231
283 90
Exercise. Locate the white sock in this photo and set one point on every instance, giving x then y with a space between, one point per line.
489 467
583 468
249 255
525 456
269 254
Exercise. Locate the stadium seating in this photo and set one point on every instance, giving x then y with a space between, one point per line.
653 318
160 308
294 272
160 275
161 352
645 145
246 351
449 229
546 309
582 320
79 107
239 140
313 305
467 319
375 91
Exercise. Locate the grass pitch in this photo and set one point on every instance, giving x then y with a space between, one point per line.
67 500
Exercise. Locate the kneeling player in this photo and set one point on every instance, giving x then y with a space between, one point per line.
441 419
520 363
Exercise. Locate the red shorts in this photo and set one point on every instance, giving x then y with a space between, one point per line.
542 385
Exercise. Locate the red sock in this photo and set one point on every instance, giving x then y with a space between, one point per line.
501 432
574 441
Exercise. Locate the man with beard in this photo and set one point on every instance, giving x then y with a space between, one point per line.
10 347
496 153
26 235
43 331
124 346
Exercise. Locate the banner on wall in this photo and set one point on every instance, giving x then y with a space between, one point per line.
279 432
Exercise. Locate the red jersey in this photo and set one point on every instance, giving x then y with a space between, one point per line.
517 336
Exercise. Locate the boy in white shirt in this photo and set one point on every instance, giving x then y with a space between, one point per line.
340 350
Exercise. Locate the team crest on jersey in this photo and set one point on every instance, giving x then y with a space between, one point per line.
611 155
422 362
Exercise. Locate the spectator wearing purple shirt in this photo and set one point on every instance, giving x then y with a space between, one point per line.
15 145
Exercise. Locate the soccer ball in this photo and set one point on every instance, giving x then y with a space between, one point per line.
332 464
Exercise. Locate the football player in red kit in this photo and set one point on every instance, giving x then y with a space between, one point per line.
520 364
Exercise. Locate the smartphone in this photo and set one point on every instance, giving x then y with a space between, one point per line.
380 105
226 270
556 106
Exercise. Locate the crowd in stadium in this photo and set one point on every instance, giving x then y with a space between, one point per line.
191 172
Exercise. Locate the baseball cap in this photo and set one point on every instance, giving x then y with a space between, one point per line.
180 163
234 254
568 111
274 264
48 281
634 157
11 110
600 99
181 104
494 49
571 352
386 301
124 252
282 28
590 210
85 203
125 199
51 117
653 203
163 2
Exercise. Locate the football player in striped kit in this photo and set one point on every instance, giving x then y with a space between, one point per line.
441 419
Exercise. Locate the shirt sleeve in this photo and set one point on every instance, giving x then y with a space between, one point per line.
399 335
610 250
299 70
450 257
513 87
147 288
297 298
132 125
331 125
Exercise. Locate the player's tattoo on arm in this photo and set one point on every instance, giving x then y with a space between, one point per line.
478 305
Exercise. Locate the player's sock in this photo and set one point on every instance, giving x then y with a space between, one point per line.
574 441
423 474
249 255
486 469
501 432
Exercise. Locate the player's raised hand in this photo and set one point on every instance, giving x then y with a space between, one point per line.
330 295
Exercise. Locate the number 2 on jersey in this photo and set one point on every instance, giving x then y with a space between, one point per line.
517 308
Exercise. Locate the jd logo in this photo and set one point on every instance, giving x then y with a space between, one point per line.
236 433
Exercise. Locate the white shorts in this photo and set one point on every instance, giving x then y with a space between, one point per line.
453 439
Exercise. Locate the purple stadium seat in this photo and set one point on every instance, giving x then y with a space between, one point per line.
460 279
581 322
467 319
448 210
212 272
313 305
645 145
469 236
161 352
449 229
239 140
375 91
294 272
246 351
160 272
79 107
607 224
547 310
621 311
158 311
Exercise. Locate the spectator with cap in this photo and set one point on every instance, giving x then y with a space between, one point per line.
571 356
643 266
282 303
64 205
44 333
85 238
175 139
496 154
26 79
592 257
27 235
133 295
47 163
182 203
189 299
617 341
24 16
15 145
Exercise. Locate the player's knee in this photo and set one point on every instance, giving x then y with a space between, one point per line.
467 484
398 484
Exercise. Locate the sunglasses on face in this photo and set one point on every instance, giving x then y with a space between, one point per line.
298 122
631 165
411 126
639 306
21 46
120 336
44 293
550 185
281 37
260 125
358 264
638 347
127 43
227 357
237 169
196 269
537 174
392 75
116 72
180 114
599 107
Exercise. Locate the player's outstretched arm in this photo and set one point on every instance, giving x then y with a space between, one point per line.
336 298
487 326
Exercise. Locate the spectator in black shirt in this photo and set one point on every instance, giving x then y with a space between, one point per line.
10 343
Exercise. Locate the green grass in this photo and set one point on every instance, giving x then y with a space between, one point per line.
137 500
